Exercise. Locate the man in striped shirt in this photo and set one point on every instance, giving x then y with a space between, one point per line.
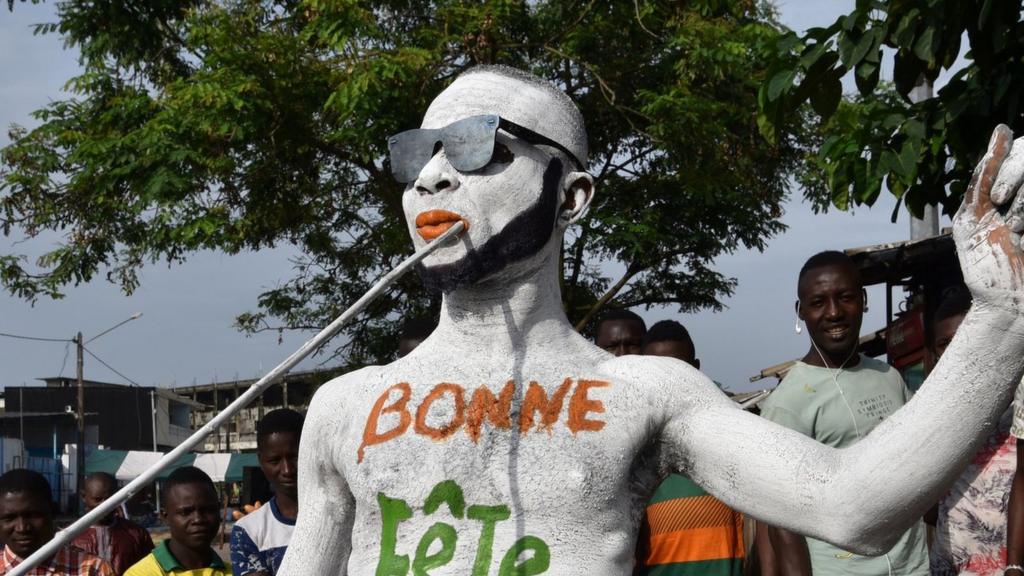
685 530
26 524
114 538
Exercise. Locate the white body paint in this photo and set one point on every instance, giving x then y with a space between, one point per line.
581 493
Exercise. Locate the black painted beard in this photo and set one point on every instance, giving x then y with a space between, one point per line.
521 238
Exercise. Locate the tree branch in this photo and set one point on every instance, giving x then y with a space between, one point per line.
630 273
577 267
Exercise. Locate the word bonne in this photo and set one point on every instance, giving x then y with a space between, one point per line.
438 544
538 410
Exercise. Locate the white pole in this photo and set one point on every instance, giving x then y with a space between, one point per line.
21 421
927 226
65 536
152 407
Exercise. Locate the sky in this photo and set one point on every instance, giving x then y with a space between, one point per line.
186 334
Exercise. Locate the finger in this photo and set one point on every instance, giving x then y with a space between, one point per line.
977 198
1015 216
1011 175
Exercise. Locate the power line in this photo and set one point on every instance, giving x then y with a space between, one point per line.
67 348
111 368
19 337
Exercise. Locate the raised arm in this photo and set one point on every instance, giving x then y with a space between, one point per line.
863 497
859 498
322 539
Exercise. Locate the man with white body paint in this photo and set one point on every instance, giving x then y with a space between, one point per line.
508 444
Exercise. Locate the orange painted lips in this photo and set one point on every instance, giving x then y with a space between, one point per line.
433 223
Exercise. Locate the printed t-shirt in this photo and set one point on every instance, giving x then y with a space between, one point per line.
1017 424
970 532
687 531
68 561
161 562
808 401
260 539
122 543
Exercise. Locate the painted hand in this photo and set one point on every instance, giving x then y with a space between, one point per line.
987 227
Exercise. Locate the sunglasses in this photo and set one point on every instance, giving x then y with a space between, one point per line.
468 145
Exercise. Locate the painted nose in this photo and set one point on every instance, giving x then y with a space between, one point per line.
437 176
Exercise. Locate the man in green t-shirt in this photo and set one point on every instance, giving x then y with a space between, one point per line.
192 514
837 396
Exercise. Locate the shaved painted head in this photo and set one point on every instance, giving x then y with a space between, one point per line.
520 97
521 201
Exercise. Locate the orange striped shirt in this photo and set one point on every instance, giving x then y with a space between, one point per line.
688 531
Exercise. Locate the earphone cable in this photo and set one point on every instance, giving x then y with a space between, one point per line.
835 380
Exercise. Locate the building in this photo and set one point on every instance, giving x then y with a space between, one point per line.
294 391
116 416
45 421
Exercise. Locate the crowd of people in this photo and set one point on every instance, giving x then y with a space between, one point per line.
833 394
191 510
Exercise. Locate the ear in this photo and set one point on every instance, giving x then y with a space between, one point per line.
796 307
696 363
864 291
578 192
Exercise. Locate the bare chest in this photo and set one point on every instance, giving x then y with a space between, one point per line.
499 469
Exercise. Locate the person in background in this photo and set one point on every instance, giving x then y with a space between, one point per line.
620 332
1015 507
191 512
837 396
26 524
413 332
970 527
685 530
260 539
117 540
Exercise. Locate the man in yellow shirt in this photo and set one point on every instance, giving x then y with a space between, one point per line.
192 514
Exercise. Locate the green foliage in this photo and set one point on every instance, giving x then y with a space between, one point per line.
244 125
924 152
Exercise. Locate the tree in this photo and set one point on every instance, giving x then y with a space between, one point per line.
242 125
924 152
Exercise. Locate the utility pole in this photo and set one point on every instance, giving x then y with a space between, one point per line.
152 407
80 449
927 226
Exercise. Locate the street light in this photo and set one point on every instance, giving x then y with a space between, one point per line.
80 345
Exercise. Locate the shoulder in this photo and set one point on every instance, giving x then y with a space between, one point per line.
655 371
132 528
256 524
664 389
882 373
795 385
338 387
329 402
148 566
870 364
86 540
242 531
